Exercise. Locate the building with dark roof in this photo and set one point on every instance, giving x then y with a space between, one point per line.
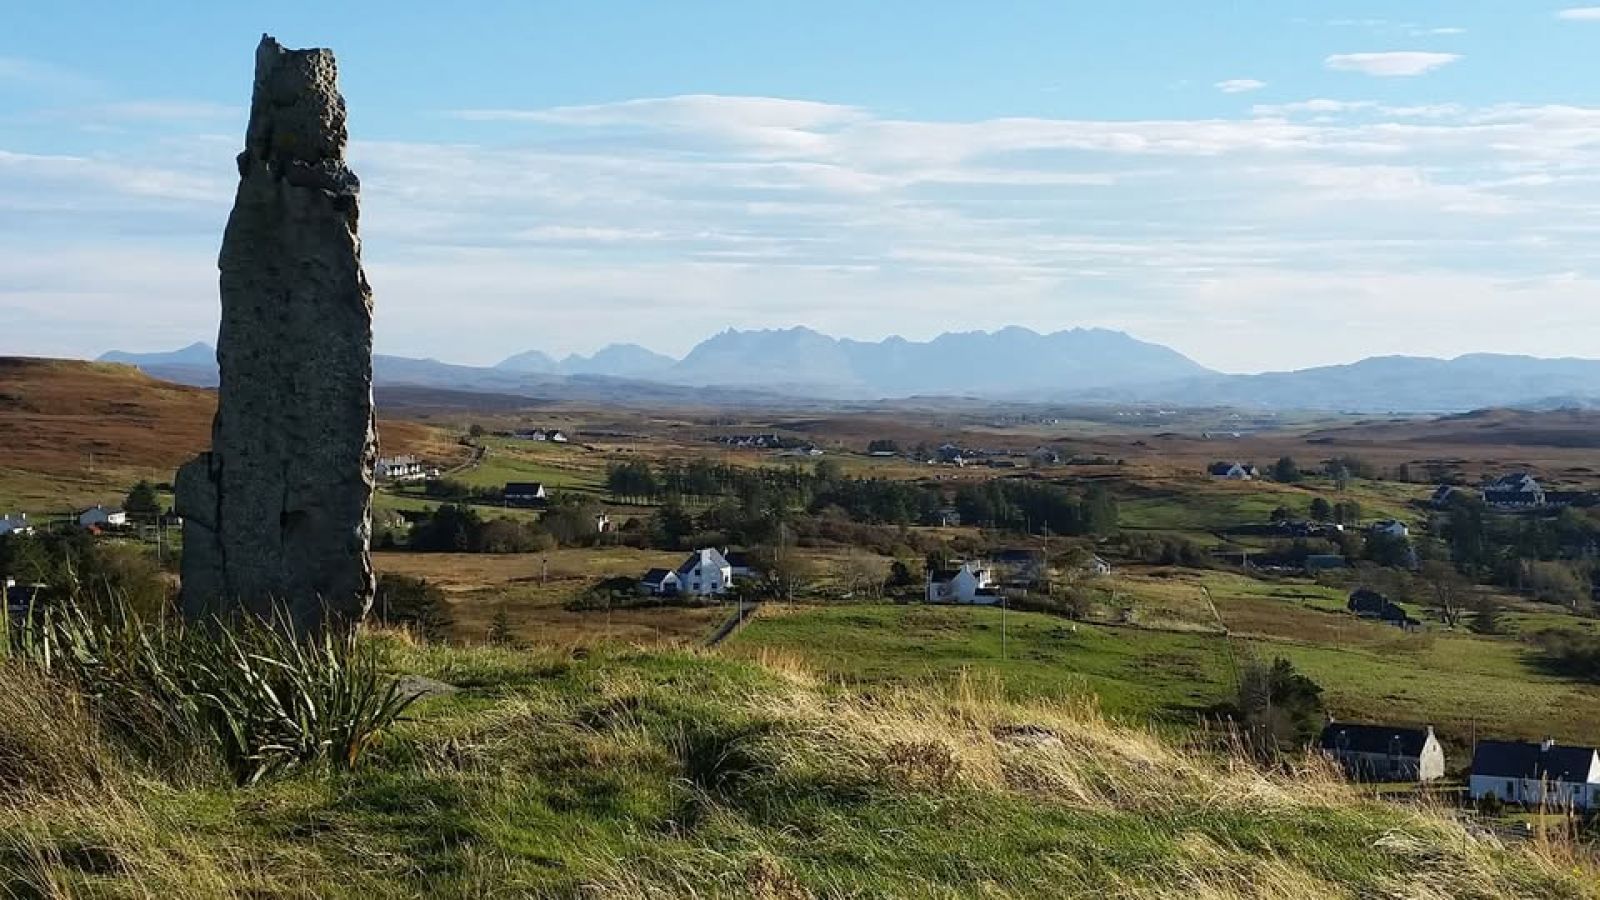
1546 774
1519 490
1384 752
524 493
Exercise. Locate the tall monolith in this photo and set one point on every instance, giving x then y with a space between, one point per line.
279 513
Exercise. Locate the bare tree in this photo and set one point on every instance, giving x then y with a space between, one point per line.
1447 591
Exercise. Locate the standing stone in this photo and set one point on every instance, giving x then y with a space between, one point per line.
279 512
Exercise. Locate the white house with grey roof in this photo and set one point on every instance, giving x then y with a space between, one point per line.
1546 774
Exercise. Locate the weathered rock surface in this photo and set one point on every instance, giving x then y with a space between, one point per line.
279 511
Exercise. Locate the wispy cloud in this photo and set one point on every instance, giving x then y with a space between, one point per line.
1580 14
1240 85
1391 64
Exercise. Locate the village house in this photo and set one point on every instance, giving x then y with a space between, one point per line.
398 468
1098 567
741 564
1233 471
706 573
557 436
1546 774
1383 752
1519 490
101 517
1443 495
524 493
19 597
970 583
531 434
1045 456
15 523
602 523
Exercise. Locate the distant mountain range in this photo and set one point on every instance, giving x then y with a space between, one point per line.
803 367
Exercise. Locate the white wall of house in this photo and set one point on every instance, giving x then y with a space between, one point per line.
15 523
705 574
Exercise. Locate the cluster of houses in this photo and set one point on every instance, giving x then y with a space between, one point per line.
982 583
95 518
707 572
551 435
1539 775
402 468
1233 471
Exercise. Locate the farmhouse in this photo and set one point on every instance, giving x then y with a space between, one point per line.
1383 752
524 493
1233 471
19 596
970 583
531 434
15 523
706 573
1098 567
101 517
741 563
1443 495
1519 490
1537 775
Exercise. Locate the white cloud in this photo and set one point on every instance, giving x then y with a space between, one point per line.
1446 31
1391 64
680 216
1580 14
1240 85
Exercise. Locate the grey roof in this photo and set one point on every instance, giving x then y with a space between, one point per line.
1381 739
656 576
523 487
1517 759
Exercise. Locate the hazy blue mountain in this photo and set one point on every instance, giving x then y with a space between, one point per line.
618 361
198 353
1081 365
528 361
1012 362
1394 383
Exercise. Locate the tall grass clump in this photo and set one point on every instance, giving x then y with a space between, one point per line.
249 694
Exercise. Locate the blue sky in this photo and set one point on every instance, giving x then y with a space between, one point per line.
1260 185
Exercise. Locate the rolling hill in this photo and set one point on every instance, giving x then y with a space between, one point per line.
83 431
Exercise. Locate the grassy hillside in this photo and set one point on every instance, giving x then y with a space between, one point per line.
79 433
1368 671
668 774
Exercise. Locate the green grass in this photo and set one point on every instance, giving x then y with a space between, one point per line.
1197 505
628 774
1370 672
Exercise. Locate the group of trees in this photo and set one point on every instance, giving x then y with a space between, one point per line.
72 565
1341 469
748 504
460 528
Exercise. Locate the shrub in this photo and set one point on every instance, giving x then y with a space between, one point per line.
413 603
250 694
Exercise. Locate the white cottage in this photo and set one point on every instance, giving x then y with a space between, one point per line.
970 583
706 573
